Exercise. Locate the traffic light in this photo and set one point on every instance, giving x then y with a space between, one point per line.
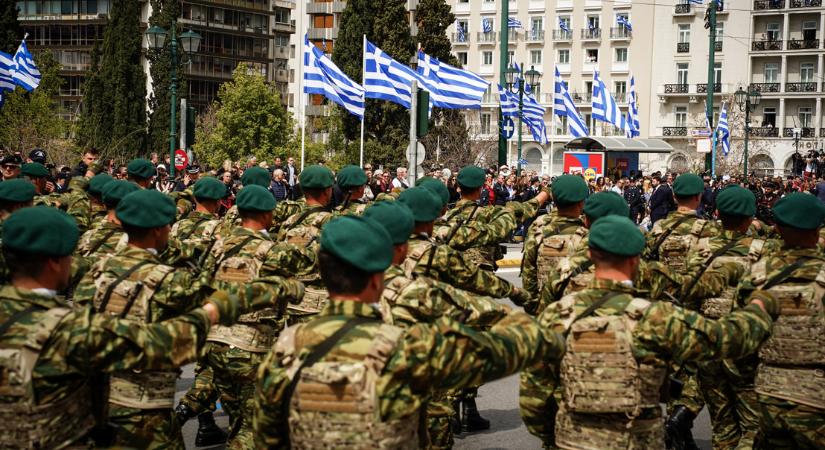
422 114
191 115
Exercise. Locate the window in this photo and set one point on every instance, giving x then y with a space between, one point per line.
621 55
680 112
535 57
809 30
720 30
592 22
771 72
592 55
682 73
491 21
684 33
620 91
717 73
320 20
806 72
625 16
588 90
772 31
562 125
566 21
537 24
805 113
462 58
536 90
486 123
463 25
769 117
564 56
486 58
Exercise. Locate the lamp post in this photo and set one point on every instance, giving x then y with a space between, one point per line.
190 41
747 101
515 84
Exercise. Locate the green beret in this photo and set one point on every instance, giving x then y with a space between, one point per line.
40 230
605 203
358 241
140 168
471 177
569 189
316 177
17 191
436 187
34 170
688 184
425 205
617 235
115 190
209 188
796 210
146 208
255 198
395 217
351 177
97 183
735 200
257 176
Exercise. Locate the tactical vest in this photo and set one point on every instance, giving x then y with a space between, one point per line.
304 232
721 305
25 424
579 277
600 376
792 360
131 298
674 250
342 395
208 232
553 247
89 247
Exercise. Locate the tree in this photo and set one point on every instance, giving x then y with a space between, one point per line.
457 143
248 119
163 13
10 30
113 117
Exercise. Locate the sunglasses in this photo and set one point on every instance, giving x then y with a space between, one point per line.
10 166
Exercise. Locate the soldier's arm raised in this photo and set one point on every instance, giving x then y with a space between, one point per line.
529 271
454 269
289 260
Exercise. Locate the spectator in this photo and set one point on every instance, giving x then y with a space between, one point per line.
618 187
661 200
488 195
378 186
500 193
277 164
37 155
162 181
10 166
291 174
400 180
251 162
154 159
90 155
635 200
279 187
191 176
122 172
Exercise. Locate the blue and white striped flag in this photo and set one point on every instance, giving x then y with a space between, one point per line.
322 76
7 68
512 22
460 31
564 25
386 78
532 113
486 25
604 105
509 102
633 111
26 74
564 107
449 87
697 2
625 22
723 130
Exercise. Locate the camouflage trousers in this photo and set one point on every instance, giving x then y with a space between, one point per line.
538 406
439 427
734 410
786 425
153 429
691 397
202 395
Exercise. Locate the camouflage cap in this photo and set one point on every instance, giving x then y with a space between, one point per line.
40 230
605 203
735 200
97 183
424 204
209 188
471 177
569 189
617 235
358 241
255 198
141 168
316 177
796 210
34 170
256 176
351 176
115 190
17 191
146 208
395 217
688 184
436 187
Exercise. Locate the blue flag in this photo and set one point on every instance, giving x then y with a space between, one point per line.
564 107
723 130
624 22
450 87
512 22
604 106
486 25
322 76
460 31
563 25
26 74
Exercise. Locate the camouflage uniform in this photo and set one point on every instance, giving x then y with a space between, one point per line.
354 208
408 365
565 232
104 238
283 210
657 332
192 238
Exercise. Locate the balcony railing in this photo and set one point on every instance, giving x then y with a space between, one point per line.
486 38
620 33
592 33
803 44
806 132
765 87
768 4
677 88
717 46
764 46
460 39
534 36
674 131
682 47
562 35
809 86
764 131
682 8
806 3
702 88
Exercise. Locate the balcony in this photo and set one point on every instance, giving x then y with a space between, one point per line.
317 110
455 38
766 46
682 47
764 132
677 88
803 44
325 7
620 33
682 8
592 34
317 34
486 38
762 5
765 87
806 132
702 88
534 36
717 46
674 131
281 52
562 35
806 3
512 35
283 27
801 87
282 76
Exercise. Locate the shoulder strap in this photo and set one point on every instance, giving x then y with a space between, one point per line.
593 307
721 251
114 284
102 241
16 317
781 276
461 222
578 270
234 250
194 227
655 250
304 215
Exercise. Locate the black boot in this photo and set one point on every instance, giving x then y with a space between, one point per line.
209 433
471 420
455 419
678 428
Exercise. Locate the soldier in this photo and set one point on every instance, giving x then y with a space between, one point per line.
108 236
556 237
55 357
141 171
369 378
86 205
635 200
257 176
619 348
39 175
352 180
789 384
14 194
193 237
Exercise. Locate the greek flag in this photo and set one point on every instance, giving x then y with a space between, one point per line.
633 111
449 87
564 107
512 22
322 76
604 105
564 25
723 130
26 74
696 2
7 68
532 113
509 102
625 22
460 31
386 78
486 25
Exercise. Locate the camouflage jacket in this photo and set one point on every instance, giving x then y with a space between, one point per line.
284 210
282 259
104 238
191 239
550 224
184 202
665 333
52 200
440 355
689 224
354 208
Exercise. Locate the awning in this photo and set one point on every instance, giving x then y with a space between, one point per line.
611 144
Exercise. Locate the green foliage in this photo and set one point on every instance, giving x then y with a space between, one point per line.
249 119
163 12
10 30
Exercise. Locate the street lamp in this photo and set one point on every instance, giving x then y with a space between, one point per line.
747 101
515 84
190 41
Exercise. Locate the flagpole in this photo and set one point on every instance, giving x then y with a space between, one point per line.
713 156
553 116
302 102
363 82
